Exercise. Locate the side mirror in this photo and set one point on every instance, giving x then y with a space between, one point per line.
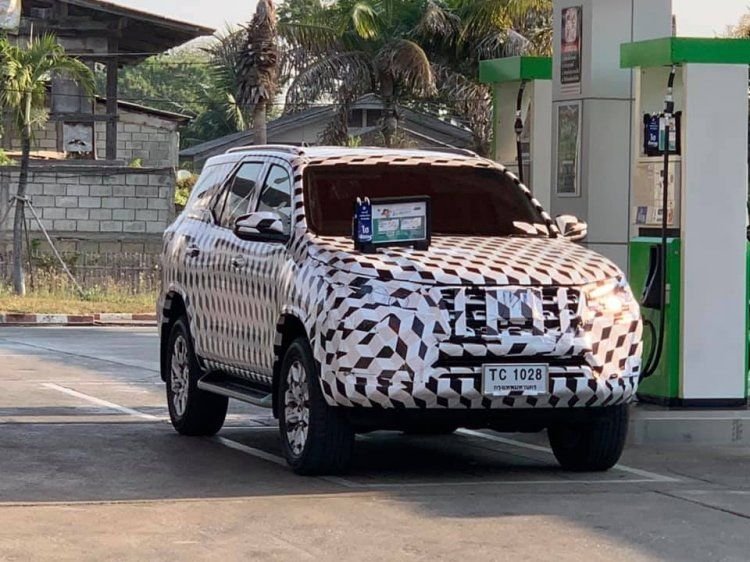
262 226
572 228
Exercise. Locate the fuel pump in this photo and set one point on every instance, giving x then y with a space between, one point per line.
688 253
518 126
655 293
522 120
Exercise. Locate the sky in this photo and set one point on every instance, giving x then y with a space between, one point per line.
695 18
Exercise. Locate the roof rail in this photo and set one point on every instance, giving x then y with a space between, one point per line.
451 150
278 147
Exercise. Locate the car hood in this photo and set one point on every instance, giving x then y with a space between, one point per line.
471 261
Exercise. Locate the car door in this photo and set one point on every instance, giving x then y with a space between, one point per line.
190 255
268 263
229 256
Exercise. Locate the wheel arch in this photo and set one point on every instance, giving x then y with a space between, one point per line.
174 308
288 328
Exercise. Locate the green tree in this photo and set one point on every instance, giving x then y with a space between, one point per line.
191 81
259 68
742 29
26 73
458 34
344 50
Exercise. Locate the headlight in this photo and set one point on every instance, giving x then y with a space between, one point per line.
611 298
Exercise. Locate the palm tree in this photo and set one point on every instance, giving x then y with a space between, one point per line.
259 68
26 73
457 34
351 48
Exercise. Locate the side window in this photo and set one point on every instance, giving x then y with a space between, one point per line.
277 195
239 194
204 190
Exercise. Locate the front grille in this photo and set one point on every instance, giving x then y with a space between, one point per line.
476 362
468 309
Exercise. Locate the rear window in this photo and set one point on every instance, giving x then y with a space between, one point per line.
465 201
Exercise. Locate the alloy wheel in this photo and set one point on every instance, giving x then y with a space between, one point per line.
180 375
297 408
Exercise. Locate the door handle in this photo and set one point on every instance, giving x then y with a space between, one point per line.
238 262
193 251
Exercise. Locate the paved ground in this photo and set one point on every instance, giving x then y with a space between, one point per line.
90 470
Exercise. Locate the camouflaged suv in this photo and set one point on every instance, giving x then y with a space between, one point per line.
504 322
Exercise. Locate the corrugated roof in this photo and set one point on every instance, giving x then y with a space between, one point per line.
422 125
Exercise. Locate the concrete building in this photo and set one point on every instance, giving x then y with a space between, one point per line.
102 174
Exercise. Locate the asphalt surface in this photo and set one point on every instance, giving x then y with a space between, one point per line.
90 469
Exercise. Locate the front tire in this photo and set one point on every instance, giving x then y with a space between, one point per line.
594 446
192 411
316 438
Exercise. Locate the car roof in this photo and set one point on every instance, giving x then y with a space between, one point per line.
324 152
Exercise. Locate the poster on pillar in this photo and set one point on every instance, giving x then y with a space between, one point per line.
568 149
10 15
571 50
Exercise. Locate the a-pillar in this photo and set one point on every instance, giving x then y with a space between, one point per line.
592 109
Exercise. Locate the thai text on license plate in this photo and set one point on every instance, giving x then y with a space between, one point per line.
515 380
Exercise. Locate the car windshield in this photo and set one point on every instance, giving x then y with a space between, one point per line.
465 201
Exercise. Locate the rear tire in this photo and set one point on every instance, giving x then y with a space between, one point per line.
594 446
192 411
316 438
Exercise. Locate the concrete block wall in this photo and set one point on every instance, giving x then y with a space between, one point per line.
95 205
153 140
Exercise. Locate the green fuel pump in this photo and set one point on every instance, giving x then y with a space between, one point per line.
688 255
655 292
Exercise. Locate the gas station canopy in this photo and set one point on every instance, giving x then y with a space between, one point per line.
684 50
515 69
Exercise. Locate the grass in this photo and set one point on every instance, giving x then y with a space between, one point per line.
36 303
53 294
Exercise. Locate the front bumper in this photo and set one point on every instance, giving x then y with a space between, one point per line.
460 388
378 356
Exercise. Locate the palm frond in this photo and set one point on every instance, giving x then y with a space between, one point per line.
26 71
365 20
315 38
437 23
503 43
469 100
408 65
326 77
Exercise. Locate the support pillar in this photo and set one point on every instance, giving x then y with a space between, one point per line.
593 95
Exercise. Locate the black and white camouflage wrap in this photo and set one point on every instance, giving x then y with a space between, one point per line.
403 328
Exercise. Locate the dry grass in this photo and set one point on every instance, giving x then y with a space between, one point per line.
53 294
49 304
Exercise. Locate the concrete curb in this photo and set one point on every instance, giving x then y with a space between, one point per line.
18 320
681 427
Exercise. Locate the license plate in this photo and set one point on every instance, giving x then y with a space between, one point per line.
515 380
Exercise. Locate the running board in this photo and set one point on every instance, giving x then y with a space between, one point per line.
238 389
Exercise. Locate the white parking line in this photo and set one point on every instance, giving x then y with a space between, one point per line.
451 483
651 476
646 476
249 450
100 402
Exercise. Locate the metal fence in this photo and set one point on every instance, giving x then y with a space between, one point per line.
135 273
